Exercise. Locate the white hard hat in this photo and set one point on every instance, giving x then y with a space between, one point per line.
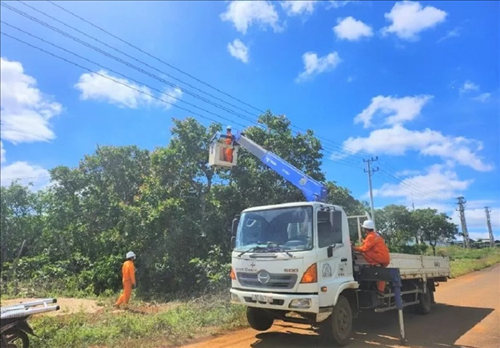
228 127
130 254
368 224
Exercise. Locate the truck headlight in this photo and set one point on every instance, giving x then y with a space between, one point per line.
301 303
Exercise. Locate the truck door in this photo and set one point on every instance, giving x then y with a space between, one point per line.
333 254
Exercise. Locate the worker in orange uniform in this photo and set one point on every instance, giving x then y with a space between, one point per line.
374 250
128 279
229 142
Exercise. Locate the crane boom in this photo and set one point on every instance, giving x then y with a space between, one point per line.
312 189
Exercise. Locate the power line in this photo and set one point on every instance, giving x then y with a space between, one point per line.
114 80
131 65
109 78
422 193
152 56
336 145
340 146
61 32
129 56
127 77
116 72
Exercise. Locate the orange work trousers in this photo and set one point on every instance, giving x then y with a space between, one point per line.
375 260
229 155
127 292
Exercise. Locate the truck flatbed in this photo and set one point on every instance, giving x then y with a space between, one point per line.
415 266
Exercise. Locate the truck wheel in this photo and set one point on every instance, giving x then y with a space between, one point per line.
425 305
259 319
339 325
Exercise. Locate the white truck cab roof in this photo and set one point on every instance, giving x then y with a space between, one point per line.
291 205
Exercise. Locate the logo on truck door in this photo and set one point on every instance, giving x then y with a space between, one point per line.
327 270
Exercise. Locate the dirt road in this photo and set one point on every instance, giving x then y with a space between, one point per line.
467 315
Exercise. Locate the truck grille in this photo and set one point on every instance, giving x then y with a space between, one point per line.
276 281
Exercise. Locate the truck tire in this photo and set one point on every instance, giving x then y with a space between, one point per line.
259 319
425 305
338 326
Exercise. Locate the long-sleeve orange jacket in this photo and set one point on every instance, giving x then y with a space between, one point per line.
128 271
374 248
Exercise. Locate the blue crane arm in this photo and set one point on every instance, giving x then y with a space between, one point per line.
312 189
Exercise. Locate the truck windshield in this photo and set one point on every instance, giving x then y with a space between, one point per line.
284 228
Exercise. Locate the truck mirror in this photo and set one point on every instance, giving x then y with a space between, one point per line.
234 226
233 242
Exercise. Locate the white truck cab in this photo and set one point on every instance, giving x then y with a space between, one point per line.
291 257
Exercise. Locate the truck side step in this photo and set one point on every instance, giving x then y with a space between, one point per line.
391 294
385 309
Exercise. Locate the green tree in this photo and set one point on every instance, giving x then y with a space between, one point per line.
21 220
396 225
434 226
167 205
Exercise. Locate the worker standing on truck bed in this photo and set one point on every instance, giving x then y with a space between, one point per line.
374 250
128 279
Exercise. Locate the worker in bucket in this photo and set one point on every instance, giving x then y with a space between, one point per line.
128 278
374 250
229 142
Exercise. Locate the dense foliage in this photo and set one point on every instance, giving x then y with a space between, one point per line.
170 208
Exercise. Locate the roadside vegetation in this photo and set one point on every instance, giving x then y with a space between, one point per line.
463 261
139 326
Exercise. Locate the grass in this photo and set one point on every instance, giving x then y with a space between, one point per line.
134 328
463 261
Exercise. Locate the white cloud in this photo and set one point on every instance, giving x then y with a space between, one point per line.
398 140
245 13
95 86
438 184
352 29
314 65
407 173
338 3
450 34
238 50
2 153
409 18
469 86
25 111
26 174
399 110
296 8
483 98
170 95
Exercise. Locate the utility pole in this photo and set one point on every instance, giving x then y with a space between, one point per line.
461 209
370 172
488 223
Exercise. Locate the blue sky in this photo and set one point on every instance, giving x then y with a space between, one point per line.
414 83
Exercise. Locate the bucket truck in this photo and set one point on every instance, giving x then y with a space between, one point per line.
294 262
